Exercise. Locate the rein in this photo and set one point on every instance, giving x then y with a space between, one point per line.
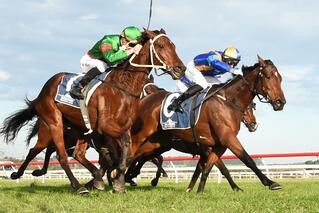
254 91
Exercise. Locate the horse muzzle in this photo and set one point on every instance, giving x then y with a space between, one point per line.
278 104
252 127
177 71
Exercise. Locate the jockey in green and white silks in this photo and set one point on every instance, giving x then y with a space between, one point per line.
202 71
105 53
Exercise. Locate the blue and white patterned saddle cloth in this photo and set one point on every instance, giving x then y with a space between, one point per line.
177 120
70 79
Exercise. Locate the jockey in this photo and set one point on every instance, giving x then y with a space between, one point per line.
107 52
202 71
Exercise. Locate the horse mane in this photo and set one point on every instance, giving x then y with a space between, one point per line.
245 70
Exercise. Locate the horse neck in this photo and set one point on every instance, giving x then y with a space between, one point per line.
242 93
133 78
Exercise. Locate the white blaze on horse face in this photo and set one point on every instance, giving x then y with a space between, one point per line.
276 74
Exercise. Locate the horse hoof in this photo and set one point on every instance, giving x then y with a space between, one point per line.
99 185
82 191
275 186
188 190
113 173
132 183
38 172
114 191
237 189
15 175
154 182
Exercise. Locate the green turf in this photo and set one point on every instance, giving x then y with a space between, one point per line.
297 195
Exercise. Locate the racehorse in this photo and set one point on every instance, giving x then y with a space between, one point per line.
248 119
219 121
76 148
112 108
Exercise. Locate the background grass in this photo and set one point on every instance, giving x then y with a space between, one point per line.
297 195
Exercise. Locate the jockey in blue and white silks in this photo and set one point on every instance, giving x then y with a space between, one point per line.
202 71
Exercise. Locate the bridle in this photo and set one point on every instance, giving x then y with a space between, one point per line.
163 65
261 95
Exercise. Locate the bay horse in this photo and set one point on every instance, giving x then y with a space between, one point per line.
219 121
76 148
133 171
112 108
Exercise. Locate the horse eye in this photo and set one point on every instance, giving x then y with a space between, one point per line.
161 46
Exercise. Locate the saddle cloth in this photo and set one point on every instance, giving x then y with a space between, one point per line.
69 79
175 120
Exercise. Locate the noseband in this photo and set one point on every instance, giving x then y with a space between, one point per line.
152 50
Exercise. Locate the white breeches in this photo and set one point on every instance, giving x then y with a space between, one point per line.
87 63
195 76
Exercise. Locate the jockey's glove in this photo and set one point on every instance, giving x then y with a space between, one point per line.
236 71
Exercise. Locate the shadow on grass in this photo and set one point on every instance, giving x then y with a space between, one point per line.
35 187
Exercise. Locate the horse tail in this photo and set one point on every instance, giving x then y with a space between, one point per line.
13 123
33 130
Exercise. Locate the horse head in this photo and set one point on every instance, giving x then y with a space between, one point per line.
268 84
160 53
249 118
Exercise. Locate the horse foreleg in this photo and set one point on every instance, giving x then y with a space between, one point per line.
198 170
235 146
118 174
223 169
43 171
158 161
211 160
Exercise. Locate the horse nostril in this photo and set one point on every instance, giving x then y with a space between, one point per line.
278 102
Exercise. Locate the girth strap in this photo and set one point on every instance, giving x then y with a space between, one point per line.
192 119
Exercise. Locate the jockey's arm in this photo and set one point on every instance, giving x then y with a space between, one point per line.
220 66
112 56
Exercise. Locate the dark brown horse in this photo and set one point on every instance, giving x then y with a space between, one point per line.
112 108
248 119
219 121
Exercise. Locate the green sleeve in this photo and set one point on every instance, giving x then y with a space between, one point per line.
112 56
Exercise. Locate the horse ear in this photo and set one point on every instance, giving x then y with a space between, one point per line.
261 61
162 31
149 33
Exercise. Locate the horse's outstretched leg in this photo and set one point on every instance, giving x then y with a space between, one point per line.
198 170
31 155
235 146
43 171
223 169
42 142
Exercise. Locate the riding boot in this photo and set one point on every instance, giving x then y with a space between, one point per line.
176 105
76 90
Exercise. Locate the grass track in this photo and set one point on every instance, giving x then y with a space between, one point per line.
297 195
